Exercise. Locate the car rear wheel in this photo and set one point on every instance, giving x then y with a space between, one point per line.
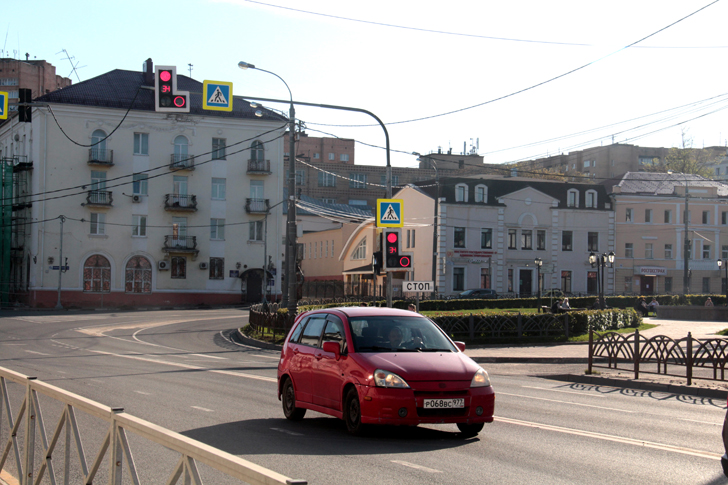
352 413
470 430
289 403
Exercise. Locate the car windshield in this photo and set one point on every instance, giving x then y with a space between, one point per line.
398 334
466 293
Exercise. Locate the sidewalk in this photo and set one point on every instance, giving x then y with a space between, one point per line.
578 353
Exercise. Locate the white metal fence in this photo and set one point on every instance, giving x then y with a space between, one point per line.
28 436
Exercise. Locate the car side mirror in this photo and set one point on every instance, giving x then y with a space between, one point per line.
333 347
460 345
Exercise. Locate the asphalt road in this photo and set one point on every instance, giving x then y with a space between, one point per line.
178 369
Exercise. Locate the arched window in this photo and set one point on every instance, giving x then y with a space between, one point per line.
360 252
180 149
461 193
572 198
98 147
97 274
591 199
257 152
481 194
138 275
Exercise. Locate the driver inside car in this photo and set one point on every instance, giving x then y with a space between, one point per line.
395 340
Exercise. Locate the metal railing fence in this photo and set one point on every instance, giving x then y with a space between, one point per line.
115 449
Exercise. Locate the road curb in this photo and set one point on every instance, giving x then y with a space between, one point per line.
241 338
642 385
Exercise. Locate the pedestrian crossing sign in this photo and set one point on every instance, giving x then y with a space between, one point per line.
217 95
389 213
4 106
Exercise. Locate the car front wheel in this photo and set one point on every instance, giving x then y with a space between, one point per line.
470 430
289 403
352 412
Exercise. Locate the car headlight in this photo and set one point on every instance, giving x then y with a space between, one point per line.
383 378
480 379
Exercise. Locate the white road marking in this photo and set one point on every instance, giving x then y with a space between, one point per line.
268 356
57 318
566 392
616 439
142 392
713 423
287 432
209 356
203 409
34 352
416 467
566 402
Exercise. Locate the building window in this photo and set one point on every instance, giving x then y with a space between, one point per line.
706 285
461 193
628 215
181 146
567 240
218 189
410 238
706 217
668 284
98 145
217 268
357 202
316 156
486 239
566 281
668 217
458 279
179 267
344 157
628 284
257 190
141 143
512 239
724 218
591 199
256 231
668 251
300 176
138 225
257 151
690 250
481 194
484 277
593 241
98 223
648 215
332 156
541 240
459 237
361 251
628 250
572 198
526 239
217 229
218 148
326 179
591 282
724 250
706 251
648 250
383 180
138 275
140 184
327 200
97 274
510 280
357 181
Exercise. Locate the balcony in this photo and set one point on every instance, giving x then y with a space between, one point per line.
257 206
99 198
261 167
100 156
180 244
181 162
181 203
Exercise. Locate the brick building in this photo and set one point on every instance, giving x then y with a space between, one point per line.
37 75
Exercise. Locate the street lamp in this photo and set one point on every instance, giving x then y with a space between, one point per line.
291 182
724 262
600 261
290 296
539 263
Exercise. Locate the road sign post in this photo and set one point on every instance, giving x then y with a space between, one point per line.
418 287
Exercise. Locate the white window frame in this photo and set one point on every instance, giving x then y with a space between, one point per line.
255 233
217 229
138 225
98 224
344 157
461 193
332 156
481 197
591 204
316 156
218 188
575 202
140 184
360 252
141 144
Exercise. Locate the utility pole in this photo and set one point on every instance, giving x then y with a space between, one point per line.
686 250
291 220
60 265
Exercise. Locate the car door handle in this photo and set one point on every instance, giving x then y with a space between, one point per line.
318 355
296 351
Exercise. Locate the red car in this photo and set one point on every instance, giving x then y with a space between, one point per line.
381 366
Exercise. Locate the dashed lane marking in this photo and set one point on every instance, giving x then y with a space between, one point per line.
142 392
202 409
416 467
565 392
37 353
572 403
210 356
292 433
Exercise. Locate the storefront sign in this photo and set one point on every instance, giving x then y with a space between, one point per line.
652 271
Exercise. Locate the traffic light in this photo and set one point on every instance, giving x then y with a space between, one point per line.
25 112
377 262
393 259
166 97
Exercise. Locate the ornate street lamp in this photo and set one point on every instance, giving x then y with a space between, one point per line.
539 263
600 261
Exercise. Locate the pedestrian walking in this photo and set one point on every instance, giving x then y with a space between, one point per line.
708 302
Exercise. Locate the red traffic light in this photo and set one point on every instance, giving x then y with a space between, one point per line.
165 76
180 101
392 237
404 262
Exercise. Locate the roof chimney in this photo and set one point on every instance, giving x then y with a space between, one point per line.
148 69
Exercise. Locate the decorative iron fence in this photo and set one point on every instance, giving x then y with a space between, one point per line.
686 357
28 436
508 326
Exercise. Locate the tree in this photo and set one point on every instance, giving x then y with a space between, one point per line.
687 159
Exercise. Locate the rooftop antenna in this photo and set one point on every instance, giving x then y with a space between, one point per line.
6 38
74 67
190 69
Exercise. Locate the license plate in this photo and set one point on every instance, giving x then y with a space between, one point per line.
444 403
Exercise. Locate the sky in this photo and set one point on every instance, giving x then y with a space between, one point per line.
520 79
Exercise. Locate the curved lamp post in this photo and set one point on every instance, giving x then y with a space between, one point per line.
600 262
539 263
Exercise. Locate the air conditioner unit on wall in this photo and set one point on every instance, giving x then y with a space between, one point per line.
203 265
136 198
163 265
